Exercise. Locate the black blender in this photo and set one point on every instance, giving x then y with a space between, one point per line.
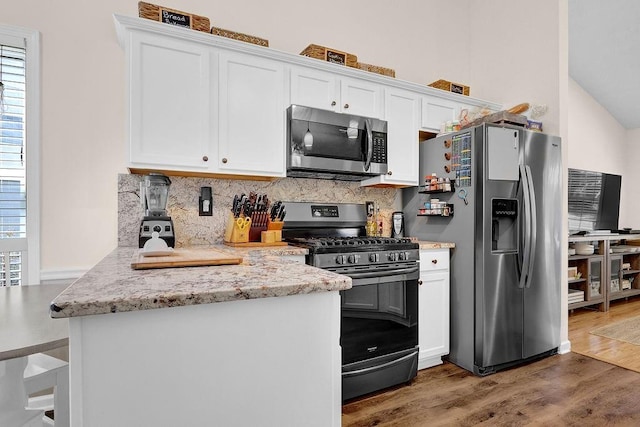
154 192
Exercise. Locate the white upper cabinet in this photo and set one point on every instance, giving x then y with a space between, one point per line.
170 103
205 105
436 111
252 115
361 98
402 113
328 91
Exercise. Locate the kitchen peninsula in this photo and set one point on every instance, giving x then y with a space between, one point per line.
249 344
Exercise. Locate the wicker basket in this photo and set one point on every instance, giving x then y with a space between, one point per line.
376 69
239 36
451 87
330 55
173 16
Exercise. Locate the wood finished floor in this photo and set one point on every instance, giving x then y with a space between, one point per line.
562 390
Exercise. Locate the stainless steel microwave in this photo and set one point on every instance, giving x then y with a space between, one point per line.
329 145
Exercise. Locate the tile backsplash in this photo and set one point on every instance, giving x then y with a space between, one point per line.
192 229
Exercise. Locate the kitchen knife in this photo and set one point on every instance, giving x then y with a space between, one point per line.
234 207
274 211
282 213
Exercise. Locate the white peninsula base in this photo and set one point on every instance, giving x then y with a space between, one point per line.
257 362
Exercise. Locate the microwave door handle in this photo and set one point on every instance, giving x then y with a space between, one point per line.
367 129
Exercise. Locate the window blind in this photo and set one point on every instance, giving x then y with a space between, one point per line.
13 201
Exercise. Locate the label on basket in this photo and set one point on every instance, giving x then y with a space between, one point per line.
174 18
457 89
336 57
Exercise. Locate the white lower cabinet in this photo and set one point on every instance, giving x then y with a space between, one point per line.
433 307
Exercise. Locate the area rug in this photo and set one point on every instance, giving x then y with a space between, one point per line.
626 330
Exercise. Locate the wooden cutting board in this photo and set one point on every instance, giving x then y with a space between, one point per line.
184 257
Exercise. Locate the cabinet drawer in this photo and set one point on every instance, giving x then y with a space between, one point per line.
433 260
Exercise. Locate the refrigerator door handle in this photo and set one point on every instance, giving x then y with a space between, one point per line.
524 273
533 235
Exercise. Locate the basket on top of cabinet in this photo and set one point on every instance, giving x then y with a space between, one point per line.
173 16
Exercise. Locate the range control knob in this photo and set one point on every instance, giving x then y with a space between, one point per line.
393 256
341 259
374 257
353 259
404 256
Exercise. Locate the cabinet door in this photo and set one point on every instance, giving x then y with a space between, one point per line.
314 88
251 116
595 279
615 273
169 108
433 306
436 111
360 97
402 113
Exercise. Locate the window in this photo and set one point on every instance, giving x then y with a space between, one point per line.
19 156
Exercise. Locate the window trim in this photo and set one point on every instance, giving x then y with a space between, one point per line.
30 262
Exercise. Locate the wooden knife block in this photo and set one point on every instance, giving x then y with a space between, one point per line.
276 226
234 233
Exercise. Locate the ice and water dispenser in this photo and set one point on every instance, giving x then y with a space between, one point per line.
504 225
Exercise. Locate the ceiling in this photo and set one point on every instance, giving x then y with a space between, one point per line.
604 54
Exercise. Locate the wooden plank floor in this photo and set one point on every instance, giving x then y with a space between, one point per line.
562 390
620 353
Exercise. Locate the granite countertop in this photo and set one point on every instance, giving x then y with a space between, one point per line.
112 286
436 245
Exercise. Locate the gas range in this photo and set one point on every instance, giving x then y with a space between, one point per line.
379 314
335 236
369 252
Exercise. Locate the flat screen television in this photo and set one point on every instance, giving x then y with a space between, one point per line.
594 200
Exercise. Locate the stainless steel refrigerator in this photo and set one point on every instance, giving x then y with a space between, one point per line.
504 214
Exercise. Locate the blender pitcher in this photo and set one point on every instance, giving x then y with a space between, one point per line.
156 192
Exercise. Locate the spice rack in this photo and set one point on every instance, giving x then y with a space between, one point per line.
435 207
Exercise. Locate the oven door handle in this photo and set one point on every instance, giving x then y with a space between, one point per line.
378 367
385 273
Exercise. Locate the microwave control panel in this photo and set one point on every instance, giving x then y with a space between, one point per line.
379 147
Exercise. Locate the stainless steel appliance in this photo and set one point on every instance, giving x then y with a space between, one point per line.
505 220
379 314
397 224
154 193
329 145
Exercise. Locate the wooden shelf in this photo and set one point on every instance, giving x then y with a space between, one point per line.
610 270
623 294
586 303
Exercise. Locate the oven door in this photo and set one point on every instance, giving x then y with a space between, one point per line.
379 330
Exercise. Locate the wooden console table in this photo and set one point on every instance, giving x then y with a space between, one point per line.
604 257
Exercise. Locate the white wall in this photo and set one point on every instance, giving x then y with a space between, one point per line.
629 201
600 143
514 56
83 80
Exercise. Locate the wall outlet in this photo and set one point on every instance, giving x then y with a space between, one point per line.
206 202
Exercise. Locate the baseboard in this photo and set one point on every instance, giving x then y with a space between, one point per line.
565 347
61 277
